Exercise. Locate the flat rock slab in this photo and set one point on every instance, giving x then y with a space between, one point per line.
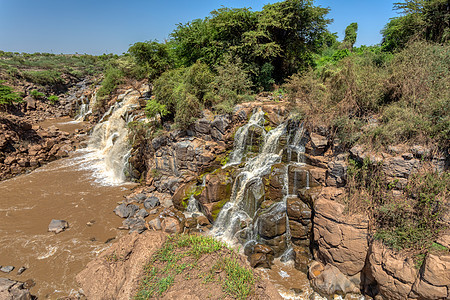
58 226
7 269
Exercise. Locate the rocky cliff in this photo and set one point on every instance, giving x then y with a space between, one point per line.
297 208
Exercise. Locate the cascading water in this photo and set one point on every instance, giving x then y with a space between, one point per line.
239 219
240 138
108 148
233 213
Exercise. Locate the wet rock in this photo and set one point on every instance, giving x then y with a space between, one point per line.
6 269
21 270
191 223
302 258
299 231
142 213
297 210
126 210
329 280
260 255
202 220
274 183
151 202
218 187
57 226
272 222
10 289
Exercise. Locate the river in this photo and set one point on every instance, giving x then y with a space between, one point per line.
74 189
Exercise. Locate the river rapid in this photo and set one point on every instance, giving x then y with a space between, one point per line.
76 189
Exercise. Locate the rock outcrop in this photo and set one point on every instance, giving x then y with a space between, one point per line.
114 274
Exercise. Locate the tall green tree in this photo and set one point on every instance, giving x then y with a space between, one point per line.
152 56
350 36
426 19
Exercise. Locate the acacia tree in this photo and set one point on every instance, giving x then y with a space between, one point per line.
277 41
427 19
152 56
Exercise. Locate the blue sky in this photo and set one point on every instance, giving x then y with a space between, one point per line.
101 26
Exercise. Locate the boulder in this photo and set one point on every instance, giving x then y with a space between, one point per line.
126 210
394 273
272 222
11 290
6 269
342 241
260 255
134 224
57 226
328 280
171 225
142 213
151 202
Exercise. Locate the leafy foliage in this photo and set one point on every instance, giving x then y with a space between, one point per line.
7 95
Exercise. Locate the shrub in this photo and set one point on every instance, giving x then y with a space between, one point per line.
53 99
37 95
7 95
112 78
46 77
411 220
153 109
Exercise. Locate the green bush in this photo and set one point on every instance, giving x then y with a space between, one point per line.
411 220
46 77
8 96
37 95
53 99
112 78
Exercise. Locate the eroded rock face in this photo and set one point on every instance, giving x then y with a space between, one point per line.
434 281
342 243
114 274
393 273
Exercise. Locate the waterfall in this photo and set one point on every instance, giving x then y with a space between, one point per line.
108 148
233 212
240 138
86 107
240 220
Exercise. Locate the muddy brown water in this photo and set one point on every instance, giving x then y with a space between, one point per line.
67 189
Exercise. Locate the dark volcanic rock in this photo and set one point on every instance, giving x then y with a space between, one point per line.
124 211
151 202
10 289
